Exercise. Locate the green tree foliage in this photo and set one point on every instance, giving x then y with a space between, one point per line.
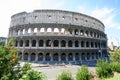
115 66
103 69
33 75
115 56
8 60
83 74
65 75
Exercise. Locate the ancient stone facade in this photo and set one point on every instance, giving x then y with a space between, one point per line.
55 36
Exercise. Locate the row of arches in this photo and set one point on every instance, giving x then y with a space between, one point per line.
49 30
59 57
59 43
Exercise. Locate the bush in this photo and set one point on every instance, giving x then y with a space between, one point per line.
65 75
103 69
115 67
83 74
33 75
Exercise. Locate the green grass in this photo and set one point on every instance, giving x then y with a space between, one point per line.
115 77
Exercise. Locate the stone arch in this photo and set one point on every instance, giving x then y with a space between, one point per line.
40 57
88 56
70 31
21 43
20 55
35 30
33 43
77 56
82 44
47 57
48 43
76 43
56 57
63 43
81 32
91 34
83 56
42 30
56 43
86 33
95 44
23 31
70 57
49 30
70 43
41 43
92 44
26 56
19 32
32 57
56 30
76 32
63 57
26 43
16 43
63 31
29 30
87 44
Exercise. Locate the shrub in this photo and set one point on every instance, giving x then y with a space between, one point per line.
65 75
103 69
83 74
33 75
115 67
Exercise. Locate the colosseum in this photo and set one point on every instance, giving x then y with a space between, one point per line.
58 36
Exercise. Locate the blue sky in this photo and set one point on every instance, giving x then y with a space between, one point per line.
107 11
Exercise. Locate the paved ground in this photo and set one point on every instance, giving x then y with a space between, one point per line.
53 71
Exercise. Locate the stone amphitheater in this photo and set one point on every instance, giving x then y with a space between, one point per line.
58 36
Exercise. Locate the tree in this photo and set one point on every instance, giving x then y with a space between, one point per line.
8 60
115 56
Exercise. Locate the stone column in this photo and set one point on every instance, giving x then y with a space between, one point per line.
30 43
36 57
29 56
37 45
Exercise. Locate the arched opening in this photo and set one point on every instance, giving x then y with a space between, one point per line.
35 30
82 43
16 43
70 31
21 43
19 31
23 31
88 56
48 43
32 56
76 32
92 45
63 43
27 43
40 57
26 56
91 34
77 56
86 33
29 30
40 43
20 55
70 57
56 30
56 43
96 55
87 44
83 56
81 32
49 30
63 57
55 57
47 57
62 31
76 44
42 30
95 44
93 55
94 34
70 43
33 43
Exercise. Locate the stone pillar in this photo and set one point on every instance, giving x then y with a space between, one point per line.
73 31
37 45
73 57
44 43
36 57
23 43
59 43
22 56
59 31
30 43
29 56
59 57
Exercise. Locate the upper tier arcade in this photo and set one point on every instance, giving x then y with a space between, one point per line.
56 17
